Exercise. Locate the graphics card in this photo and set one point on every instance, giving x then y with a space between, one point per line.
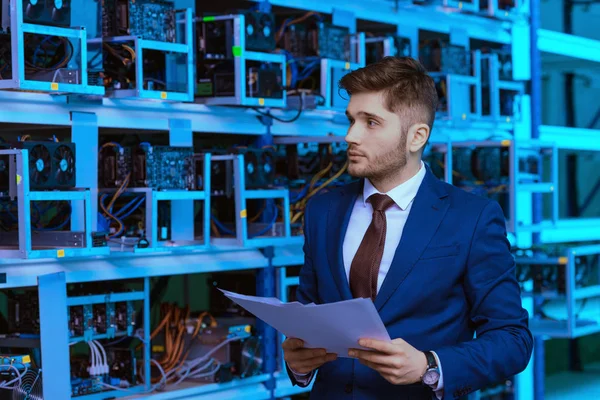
51 165
47 12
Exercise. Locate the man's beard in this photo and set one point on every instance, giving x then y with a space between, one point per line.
383 165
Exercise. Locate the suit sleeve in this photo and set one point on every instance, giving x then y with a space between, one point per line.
307 288
504 343
306 291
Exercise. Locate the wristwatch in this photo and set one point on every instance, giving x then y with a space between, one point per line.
432 373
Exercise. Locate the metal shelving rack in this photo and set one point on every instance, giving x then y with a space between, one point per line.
84 118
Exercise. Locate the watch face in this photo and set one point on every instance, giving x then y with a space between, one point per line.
431 377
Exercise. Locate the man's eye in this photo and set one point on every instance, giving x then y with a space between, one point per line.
372 122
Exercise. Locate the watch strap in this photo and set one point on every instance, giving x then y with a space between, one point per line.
431 361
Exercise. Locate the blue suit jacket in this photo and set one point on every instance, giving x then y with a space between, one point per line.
452 275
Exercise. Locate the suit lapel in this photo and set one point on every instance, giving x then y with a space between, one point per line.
338 217
428 210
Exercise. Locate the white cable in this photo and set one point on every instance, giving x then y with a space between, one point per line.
5 385
92 368
211 373
152 388
96 360
104 368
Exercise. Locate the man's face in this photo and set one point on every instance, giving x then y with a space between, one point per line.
376 138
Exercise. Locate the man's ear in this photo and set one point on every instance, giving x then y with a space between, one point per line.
418 137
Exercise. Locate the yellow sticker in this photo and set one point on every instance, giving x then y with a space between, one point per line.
243 214
505 143
563 260
464 116
19 179
347 65
60 253
54 86
261 101
158 348
507 119
26 359
163 95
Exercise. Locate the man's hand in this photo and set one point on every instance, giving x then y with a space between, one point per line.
303 360
398 362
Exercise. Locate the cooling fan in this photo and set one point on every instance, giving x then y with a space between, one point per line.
47 12
252 164
40 166
30 387
34 9
250 359
267 162
260 31
63 166
60 11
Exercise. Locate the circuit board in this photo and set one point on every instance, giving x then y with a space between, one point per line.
334 42
83 386
114 166
168 167
146 19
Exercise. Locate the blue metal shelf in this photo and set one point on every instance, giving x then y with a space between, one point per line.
288 255
587 139
249 388
20 273
568 45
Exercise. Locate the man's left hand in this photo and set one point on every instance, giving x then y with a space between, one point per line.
397 361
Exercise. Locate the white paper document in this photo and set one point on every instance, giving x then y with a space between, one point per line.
336 327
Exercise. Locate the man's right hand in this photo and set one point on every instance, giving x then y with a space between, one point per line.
301 360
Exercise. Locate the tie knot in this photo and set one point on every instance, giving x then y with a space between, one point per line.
381 202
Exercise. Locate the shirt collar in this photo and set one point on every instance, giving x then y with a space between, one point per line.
402 194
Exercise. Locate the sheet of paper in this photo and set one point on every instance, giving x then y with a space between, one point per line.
336 327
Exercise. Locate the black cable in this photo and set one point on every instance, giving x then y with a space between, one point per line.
287 121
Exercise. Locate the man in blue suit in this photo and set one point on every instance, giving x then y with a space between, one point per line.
434 259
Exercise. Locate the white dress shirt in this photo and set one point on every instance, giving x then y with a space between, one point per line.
396 216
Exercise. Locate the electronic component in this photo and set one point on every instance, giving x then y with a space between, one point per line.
49 57
47 12
145 55
260 31
456 72
114 165
228 73
23 312
164 167
318 39
259 166
51 164
439 56
146 19
384 46
499 92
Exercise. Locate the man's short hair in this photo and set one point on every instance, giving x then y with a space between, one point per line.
407 88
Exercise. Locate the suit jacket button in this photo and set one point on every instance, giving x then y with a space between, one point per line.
348 388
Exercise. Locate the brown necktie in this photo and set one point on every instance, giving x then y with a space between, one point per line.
365 265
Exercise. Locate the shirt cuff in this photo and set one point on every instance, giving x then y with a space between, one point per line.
302 379
439 388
